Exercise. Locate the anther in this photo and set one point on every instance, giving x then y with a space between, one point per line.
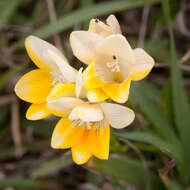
114 57
96 20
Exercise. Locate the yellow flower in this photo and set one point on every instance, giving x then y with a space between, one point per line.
84 126
35 86
112 63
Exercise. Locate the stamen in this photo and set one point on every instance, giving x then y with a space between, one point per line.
96 20
114 57
89 125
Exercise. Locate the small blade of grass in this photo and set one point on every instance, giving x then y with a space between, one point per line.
52 166
9 10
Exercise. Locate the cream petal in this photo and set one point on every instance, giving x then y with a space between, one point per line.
37 50
49 58
87 112
100 28
143 64
114 24
79 83
61 69
83 45
118 116
116 45
63 105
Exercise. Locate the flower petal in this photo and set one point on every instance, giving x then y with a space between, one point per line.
87 112
62 106
49 58
118 116
37 111
83 45
96 95
37 50
90 80
65 135
118 92
143 64
100 28
61 68
114 24
80 154
97 142
62 90
79 83
116 45
34 86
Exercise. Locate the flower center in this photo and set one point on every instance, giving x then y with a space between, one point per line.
114 64
114 67
89 125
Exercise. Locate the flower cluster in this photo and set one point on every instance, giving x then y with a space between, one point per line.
79 97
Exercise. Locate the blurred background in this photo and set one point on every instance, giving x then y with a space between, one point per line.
151 154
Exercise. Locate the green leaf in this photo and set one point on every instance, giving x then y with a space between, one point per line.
150 138
19 183
154 114
166 100
180 100
8 10
78 16
52 166
125 169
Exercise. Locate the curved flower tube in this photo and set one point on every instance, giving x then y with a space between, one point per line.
112 63
35 86
84 126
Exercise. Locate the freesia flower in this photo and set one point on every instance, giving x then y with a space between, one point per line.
112 63
35 86
84 126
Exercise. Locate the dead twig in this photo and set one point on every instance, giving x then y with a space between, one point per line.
143 26
52 15
15 128
7 99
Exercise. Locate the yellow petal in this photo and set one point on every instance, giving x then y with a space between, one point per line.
80 154
87 112
37 111
118 92
118 116
34 86
62 90
143 64
65 135
96 95
83 45
90 80
97 142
